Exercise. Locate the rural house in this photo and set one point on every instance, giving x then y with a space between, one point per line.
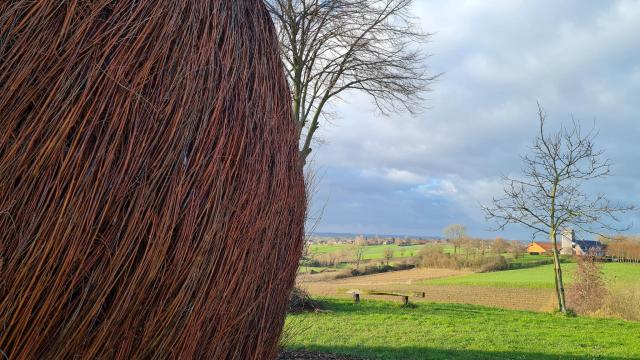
539 248
569 246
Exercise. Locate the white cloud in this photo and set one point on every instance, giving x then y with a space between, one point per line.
437 187
404 176
577 57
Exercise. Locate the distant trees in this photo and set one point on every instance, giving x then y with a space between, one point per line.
360 241
434 256
499 245
456 234
548 196
483 246
330 47
624 248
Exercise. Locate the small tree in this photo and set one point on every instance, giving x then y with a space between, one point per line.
387 254
549 197
587 293
455 233
332 259
516 248
358 253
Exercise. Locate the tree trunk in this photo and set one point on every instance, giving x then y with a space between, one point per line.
562 307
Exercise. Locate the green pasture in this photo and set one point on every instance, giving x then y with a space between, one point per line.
540 276
385 330
371 252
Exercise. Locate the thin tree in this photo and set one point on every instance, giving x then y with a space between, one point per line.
455 233
516 248
387 254
331 46
549 196
359 247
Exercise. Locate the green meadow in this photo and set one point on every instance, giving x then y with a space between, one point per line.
371 252
539 276
385 330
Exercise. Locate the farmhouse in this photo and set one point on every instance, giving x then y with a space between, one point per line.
540 248
570 246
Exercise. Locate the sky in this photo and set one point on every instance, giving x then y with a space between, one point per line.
415 174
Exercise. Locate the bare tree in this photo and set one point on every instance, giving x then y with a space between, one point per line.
331 46
387 254
499 245
516 248
455 233
549 197
359 248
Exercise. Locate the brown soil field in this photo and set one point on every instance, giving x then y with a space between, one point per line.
391 277
407 281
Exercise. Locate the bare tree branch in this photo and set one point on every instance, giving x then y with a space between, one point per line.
333 46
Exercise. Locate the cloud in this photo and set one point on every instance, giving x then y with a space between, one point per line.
403 173
437 187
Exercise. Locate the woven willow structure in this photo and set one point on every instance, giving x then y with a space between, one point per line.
151 191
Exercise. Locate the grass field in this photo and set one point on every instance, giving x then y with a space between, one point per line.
376 252
539 276
372 252
384 330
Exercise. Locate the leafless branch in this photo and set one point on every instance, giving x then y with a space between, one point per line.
332 46
550 195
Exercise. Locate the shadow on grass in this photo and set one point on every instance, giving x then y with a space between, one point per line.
426 353
372 307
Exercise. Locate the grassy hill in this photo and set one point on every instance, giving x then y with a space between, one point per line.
384 330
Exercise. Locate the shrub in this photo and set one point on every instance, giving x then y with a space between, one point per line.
376 269
300 301
434 257
494 263
343 274
313 262
587 293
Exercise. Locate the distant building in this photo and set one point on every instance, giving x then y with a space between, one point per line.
569 246
572 246
568 237
540 248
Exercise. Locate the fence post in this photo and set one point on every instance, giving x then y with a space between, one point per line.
356 297
405 300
